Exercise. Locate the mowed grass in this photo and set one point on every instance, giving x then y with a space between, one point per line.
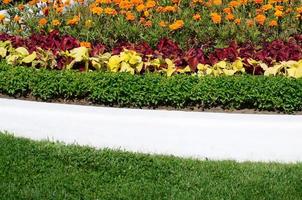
45 170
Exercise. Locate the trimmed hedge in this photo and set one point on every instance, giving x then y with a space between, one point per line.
154 90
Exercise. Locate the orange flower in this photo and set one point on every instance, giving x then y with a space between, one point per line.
250 23
137 2
273 23
278 13
227 10
125 5
299 10
130 16
279 7
2 17
196 17
216 18
162 24
169 9
42 22
6 1
110 11
217 2
21 7
176 25
59 9
74 20
237 21
260 19
148 23
55 22
150 4
258 1
266 7
234 4
96 10
85 44
230 17
140 8
17 18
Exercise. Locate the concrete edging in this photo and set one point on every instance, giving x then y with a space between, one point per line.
216 136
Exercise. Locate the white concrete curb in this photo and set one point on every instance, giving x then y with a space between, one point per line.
238 137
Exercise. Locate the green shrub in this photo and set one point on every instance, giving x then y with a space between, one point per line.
154 90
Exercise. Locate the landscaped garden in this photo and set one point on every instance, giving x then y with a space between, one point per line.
225 55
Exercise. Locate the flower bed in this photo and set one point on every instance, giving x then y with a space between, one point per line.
216 45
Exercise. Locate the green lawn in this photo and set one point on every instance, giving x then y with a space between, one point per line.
44 170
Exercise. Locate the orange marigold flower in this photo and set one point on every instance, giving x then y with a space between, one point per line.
150 4
85 44
110 11
42 22
237 21
266 7
217 2
227 10
124 4
74 20
230 17
177 25
162 24
56 22
140 8
6 1
258 1
250 23
273 23
2 17
96 10
234 4
169 9
299 9
175 1
260 19
60 9
216 18
17 18
21 7
196 17
278 13
148 23
130 16
279 7
137 2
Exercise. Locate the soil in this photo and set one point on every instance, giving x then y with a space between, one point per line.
188 109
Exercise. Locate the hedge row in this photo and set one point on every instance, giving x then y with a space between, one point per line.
154 90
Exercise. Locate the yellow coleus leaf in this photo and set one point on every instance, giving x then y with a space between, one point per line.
298 72
202 67
134 59
29 58
12 59
171 67
79 54
95 62
229 72
125 55
221 65
125 67
3 52
209 71
23 51
184 70
237 65
139 67
114 63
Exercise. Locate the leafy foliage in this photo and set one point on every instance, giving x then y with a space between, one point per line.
154 90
